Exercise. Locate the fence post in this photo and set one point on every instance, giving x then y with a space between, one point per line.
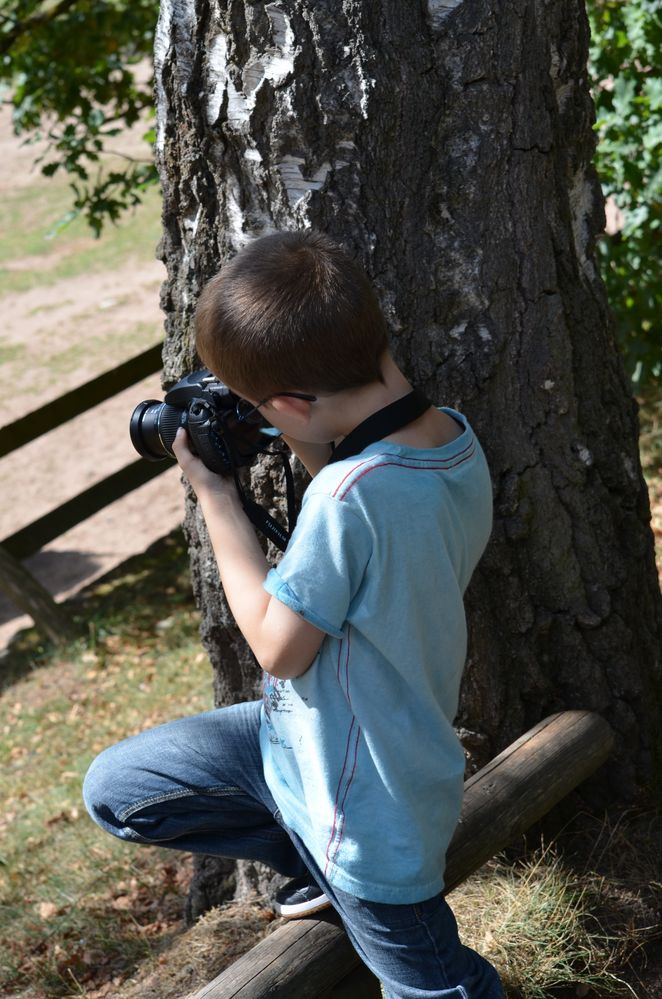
28 594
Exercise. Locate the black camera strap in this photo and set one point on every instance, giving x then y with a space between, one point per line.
259 517
381 424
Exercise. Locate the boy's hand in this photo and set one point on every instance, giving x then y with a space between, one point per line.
203 481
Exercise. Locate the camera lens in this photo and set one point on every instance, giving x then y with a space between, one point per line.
153 428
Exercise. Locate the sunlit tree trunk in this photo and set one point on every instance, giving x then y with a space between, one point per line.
448 146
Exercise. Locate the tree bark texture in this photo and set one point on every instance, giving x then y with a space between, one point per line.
448 146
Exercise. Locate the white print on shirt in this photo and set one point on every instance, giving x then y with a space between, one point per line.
277 699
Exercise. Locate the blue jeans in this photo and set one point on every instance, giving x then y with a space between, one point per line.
197 784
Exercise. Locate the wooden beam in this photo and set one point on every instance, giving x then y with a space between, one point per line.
312 958
53 414
32 538
32 598
522 784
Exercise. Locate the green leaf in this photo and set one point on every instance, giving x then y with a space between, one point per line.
626 81
75 68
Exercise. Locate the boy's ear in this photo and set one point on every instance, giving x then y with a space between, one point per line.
291 407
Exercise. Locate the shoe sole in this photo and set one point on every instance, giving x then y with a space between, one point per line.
301 909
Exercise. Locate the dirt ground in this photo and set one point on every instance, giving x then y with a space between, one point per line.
60 464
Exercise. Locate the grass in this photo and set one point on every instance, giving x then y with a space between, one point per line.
76 905
80 329
28 221
10 353
535 922
126 342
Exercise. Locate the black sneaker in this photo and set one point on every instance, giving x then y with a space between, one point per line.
298 898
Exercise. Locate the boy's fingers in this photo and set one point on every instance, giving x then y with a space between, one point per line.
180 442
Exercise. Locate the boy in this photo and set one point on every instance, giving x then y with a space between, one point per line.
348 776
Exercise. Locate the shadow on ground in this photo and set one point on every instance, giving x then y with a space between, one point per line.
129 598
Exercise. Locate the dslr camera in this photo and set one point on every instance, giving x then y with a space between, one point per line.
224 430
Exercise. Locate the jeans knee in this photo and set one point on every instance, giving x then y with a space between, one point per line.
99 787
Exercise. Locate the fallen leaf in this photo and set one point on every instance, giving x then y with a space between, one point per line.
47 910
61 817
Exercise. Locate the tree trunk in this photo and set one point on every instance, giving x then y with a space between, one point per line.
448 146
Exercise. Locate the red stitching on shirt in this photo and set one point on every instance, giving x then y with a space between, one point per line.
401 464
341 827
338 824
340 648
350 473
452 457
411 458
340 780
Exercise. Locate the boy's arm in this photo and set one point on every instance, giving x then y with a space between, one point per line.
312 456
284 644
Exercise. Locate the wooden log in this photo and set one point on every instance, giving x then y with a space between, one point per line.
32 598
310 958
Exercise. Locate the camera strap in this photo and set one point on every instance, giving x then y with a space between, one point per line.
259 517
381 424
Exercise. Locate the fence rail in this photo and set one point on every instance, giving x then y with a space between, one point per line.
30 539
79 400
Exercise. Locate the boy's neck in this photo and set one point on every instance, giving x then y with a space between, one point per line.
432 429
368 399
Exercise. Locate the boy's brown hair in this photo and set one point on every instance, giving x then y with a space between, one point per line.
291 311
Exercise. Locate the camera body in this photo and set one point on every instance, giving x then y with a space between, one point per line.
208 410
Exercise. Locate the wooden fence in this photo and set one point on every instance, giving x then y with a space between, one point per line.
15 580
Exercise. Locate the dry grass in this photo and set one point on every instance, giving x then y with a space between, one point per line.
78 909
551 926
84 915
198 955
535 921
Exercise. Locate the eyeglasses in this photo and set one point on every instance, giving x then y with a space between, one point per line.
246 410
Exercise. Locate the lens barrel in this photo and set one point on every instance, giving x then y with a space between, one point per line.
153 428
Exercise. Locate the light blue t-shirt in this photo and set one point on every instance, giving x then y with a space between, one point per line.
360 752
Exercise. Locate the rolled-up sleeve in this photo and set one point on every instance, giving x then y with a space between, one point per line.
323 567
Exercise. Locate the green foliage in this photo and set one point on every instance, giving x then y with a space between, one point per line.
625 60
71 70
